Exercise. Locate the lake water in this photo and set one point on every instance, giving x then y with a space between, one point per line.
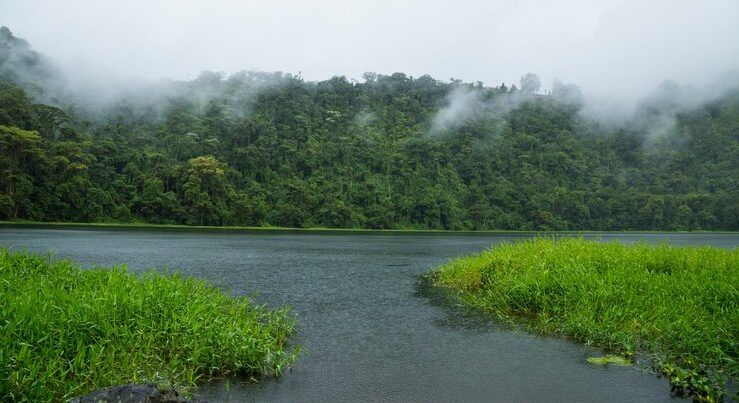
368 331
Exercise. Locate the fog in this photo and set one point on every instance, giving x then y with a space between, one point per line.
655 113
617 51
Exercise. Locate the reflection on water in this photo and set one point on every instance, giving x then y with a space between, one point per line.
369 330
455 315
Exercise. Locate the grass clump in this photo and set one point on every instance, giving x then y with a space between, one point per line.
66 331
680 305
610 359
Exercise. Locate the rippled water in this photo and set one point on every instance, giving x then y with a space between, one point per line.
368 331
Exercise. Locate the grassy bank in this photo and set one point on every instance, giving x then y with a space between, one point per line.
66 331
680 305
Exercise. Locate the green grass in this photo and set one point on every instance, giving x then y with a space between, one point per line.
680 305
610 359
66 331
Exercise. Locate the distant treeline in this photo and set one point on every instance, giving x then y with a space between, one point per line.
390 152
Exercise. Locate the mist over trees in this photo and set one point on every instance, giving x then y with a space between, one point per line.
392 151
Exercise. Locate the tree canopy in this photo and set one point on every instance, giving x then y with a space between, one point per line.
274 149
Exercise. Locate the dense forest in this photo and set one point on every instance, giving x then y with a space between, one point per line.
391 151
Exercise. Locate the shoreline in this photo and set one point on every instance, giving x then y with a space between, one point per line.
114 327
320 230
616 297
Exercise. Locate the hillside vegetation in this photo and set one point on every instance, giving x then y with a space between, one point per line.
392 151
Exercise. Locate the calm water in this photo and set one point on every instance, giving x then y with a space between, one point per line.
368 331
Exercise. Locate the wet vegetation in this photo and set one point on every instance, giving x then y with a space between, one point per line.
390 152
678 305
66 331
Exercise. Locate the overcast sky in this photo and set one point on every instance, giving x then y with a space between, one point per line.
608 46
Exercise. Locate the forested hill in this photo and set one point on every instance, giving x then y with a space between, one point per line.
391 151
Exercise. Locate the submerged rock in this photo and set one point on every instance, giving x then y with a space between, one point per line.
142 393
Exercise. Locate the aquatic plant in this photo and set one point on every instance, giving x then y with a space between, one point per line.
679 305
66 331
610 359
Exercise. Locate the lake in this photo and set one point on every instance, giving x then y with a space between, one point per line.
369 332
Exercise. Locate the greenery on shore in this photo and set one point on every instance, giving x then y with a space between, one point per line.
230 228
679 305
391 152
66 331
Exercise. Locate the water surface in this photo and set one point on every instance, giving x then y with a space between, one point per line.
368 332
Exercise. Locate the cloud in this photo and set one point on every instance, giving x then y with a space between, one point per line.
612 48
462 104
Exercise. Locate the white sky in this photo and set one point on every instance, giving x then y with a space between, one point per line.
609 47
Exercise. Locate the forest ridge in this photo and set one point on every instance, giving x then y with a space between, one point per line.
392 151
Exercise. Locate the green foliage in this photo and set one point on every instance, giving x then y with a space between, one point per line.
679 304
68 331
610 359
272 149
205 191
20 150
